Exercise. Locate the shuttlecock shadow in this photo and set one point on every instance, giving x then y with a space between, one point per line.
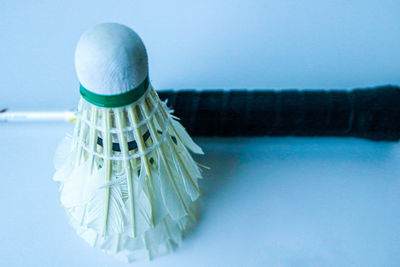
276 198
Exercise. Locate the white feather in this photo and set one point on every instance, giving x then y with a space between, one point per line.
74 189
97 207
162 202
185 138
63 160
172 203
63 173
62 152
190 183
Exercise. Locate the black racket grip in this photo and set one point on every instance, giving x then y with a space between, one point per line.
371 113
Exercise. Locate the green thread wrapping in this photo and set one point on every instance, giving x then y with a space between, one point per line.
114 101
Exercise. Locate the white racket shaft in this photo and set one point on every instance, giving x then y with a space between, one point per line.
36 116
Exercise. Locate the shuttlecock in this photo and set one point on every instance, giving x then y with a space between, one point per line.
128 181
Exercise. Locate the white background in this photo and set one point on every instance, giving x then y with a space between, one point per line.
267 201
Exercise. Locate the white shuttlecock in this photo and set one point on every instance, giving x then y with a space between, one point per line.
128 181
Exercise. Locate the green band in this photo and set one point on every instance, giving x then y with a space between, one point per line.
114 101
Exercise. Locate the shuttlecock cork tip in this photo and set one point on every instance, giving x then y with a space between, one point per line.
111 59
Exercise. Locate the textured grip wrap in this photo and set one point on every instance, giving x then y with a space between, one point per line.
372 113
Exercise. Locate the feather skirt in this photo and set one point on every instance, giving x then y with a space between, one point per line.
127 180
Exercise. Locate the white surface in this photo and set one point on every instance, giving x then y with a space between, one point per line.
110 59
267 202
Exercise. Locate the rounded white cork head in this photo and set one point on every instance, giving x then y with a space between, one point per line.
110 59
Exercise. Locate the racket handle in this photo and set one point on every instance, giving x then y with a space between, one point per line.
371 113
